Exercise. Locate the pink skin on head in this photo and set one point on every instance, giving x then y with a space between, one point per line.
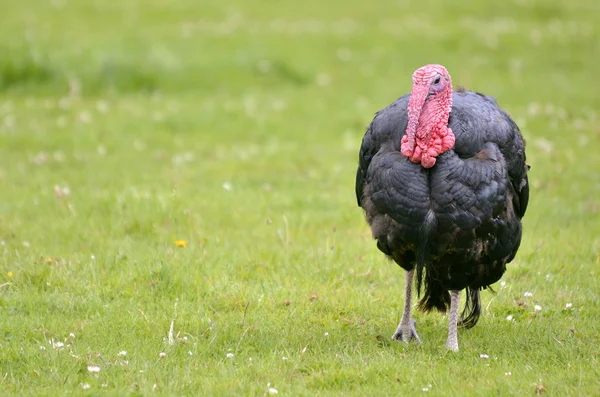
427 134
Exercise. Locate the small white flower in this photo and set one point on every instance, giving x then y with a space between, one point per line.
72 335
84 117
568 305
85 386
284 358
94 369
227 186
190 353
272 390
122 353
185 338
507 374
102 106
537 308
42 348
484 356
326 334
162 355
57 344
323 79
230 355
62 192
425 389
509 317
502 284
528 294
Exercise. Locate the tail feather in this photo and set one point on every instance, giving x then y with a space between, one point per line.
435 296
472 310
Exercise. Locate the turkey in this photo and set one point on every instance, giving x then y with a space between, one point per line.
442 180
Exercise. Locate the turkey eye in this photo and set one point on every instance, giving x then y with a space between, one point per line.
437 80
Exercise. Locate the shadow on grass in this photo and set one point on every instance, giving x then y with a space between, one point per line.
28 70
25 69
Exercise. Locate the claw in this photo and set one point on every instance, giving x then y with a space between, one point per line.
407 332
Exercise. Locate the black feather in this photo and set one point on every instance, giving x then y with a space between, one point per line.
472 310
458 223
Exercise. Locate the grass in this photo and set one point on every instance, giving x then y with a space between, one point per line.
126 126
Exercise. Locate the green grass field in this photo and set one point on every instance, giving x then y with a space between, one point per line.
235 127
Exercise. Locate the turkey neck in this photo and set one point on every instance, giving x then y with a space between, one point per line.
427 132
433 118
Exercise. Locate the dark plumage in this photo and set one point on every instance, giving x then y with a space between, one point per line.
459 221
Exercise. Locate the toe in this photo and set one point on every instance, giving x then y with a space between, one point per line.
416 337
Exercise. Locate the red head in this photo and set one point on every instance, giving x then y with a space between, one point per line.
427 133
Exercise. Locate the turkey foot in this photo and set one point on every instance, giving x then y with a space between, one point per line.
406 329
407 332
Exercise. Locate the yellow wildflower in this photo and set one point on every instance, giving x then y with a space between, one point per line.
9 274
181 243
48 260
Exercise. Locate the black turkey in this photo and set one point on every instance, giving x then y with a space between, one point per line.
443 182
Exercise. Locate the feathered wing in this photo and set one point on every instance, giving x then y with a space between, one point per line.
478 121
388 125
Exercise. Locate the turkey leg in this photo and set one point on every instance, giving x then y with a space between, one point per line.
452 343
406 329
